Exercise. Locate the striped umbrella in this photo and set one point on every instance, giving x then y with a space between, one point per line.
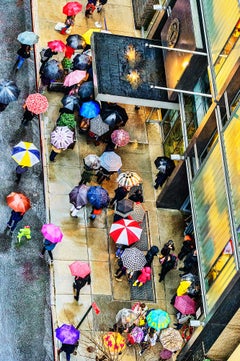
158 319
61 137
129 179
25 154
125 231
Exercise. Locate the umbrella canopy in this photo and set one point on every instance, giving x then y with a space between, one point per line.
75 41
18 202
114 342
158 319
129 179
85 90
98 197
28 38
57 45
97 126
133 259
79 269
8 91
126 316
81 62
138 212
185 304
171 339
68 120
67 334
61 137
165 354
51 69
25 154
90 109
92 161
70 102
125 231
183 287
74 77
87 35
72 8
37 103
120 137
52 233
124 207
111 161
114 114
78 195
164 164
137 334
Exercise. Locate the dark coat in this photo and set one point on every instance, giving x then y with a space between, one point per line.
16 216
80 282
24 51
153 251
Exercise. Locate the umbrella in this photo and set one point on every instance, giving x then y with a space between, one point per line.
138 212
61 137
92 161
26 154
81 62
75 41
8 91
70 102
72 8
183 287
165 354
97 126
114 342
90 109
128 179
125 231
124 207
37 103
18 202
98 197
57 45
120 137
137 334
126 316
111 161
79 269
28 38
87 35
171 339
51 69
185 304
67 334
52 233
74 77
85 90
133 259
158 319
114 114
78 195
68 120
164 164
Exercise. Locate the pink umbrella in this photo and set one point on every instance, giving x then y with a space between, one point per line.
72 8
52 233
185 304
37 103
57 45
120 137
125 232
74 77
79 269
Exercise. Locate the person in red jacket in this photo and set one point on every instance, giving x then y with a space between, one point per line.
143 277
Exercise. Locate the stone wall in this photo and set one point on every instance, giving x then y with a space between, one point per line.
143 12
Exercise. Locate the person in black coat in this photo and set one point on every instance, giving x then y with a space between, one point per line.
187 246
167 248
190 263
80 282
14 219
68 349
168 264
153 251
23 53
120 193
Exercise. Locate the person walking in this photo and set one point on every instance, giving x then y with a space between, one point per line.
167 248
27 116
14 219
79 283
153 251
68 349
121 271
69 22
168 263
23 53
188 246
143 277
20 169
46 54
120 193
190 263
47 246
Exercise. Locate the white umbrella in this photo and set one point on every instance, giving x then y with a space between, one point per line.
111 161
129 179
61 137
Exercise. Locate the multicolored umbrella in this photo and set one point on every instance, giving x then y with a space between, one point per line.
114 342
137 334
98 197
125 231
52 233
78 195
70 102
26 154
28 38
92 161
120 137
124 207
97 126
185 304
81 62
75 41
79 269
67 334
85 90
18 202
72 8
133 259
61 137
89 109
171 339
129 179
37 103
9 91
126 316
87 35
158 319
111 161
74 77
57 45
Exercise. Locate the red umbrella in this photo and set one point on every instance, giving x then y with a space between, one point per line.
18 202
72 8
120 137
57 45
79 269
125 232
37 103
185 304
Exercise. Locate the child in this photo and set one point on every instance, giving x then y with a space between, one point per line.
143 277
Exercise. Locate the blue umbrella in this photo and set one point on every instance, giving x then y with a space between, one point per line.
89 109
70 102
98 197
8 91
86 90
81 62
51 69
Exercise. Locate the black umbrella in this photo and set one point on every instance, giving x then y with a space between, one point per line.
113 114
70 102
8 91
81 62
165 165
86 90
76 41
78 195
124 207
51 69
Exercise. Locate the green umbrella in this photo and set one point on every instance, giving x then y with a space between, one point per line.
67 120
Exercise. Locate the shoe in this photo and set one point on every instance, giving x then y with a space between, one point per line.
140 284
115 274
75 298
118 279
135 284
155 186
140 353
8 226
40 255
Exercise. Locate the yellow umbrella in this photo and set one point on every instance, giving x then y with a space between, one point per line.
183 287
114 342
88 34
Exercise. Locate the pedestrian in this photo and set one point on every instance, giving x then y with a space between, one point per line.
47 246
190 263
68 349
149 340
74 211
95 212
23 53
103 174
46 54
69 22
188 246
144 276
153 251
54 152
20 169
160 179
14 219
27 116
80 282
90 7
168 263
121 271
136 195
167 248
120 193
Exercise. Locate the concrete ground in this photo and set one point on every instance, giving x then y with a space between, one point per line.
89 241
